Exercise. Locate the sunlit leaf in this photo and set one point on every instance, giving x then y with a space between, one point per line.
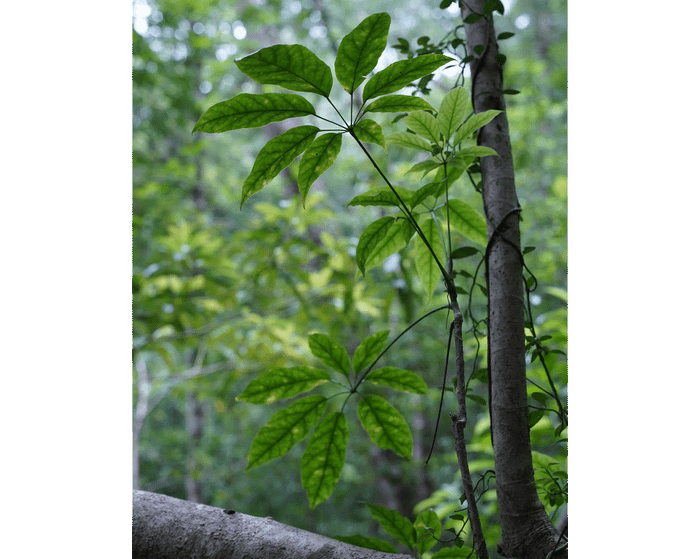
408 140
399 74
398 104
368 350
424 124
324 458
250 111
286 428
475 122
275 156
359 51
430 189
475 151
369 131
398 379
428 270
394 524
385 425
453 110
316 160
332 354
425 166
281 383
290 66
468 221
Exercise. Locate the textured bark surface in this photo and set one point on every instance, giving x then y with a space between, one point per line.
169 528
526 531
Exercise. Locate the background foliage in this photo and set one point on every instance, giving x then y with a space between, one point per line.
222 295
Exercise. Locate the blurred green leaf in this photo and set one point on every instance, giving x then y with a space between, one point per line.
427 519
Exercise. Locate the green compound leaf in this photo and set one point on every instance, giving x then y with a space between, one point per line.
468 221
475 151
359 51
394 524
399 74
275 155
290 66
250 111
385 425
368 350
332 354
281 383
398 379
424 124
453 111
382 196
369 131
395 239
317 160
324 458
369 239
475 122
428 269
425 166
285 429
398 104
430 189
427 538
408 140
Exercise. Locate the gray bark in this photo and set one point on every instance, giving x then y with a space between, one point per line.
526 530
167 528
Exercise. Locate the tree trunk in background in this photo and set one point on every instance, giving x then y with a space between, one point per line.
526 530
168 528
195 422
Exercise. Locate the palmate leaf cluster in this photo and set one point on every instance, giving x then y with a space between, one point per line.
324 456
296 68
439 133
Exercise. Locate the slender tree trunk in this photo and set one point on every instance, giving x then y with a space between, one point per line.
526 530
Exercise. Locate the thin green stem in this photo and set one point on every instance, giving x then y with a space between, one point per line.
447 209
405 210
396 339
